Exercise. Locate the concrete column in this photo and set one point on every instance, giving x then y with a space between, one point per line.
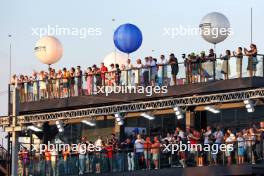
15 145
189 119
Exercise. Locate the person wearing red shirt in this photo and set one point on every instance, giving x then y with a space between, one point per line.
147 152
103 70
109 154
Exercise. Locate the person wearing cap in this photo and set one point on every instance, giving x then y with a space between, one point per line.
173 61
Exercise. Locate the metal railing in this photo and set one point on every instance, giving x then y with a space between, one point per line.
189 72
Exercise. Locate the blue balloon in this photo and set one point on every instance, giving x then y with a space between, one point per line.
128 38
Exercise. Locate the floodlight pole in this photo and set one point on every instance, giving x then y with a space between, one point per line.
251 25
15 146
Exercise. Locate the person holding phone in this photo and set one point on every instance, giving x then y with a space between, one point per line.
252 59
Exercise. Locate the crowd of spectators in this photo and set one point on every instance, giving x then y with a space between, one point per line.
76 82
145 152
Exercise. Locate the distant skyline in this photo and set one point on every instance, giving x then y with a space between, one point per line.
19 18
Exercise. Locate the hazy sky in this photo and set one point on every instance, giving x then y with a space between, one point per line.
19 17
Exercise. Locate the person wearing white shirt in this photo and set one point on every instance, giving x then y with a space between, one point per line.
162 71
53 159
139 150
138 72
218 136
145 71
229 140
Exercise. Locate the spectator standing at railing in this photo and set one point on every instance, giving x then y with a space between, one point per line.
79 75
20 163
251 146
52 83
147 152
128 147
195 65
162 71
66 155
35 86
42 85
241 148
138 72
96 77
89 80
211 58
230 139
117 74
261 130
65 81
207 141
111 75
154 71
54 161
48 162
218 139
139 151
145 70
204 67
252 59
130 72
27 89
59 84
72 81
155 150
123 79
109 154
103 71
225 64
82 156
173 61
239 61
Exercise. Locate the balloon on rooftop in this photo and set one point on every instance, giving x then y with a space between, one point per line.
48 50
215 27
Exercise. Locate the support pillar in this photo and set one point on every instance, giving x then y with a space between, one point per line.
15 145
189 119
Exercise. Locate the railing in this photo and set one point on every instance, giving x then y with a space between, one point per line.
122 160
4 160
188 72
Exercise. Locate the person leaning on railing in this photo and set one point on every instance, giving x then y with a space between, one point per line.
239 56
173 61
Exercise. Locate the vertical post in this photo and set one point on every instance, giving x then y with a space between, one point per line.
214 61
263 65
251 25
14 134
10 59
189 120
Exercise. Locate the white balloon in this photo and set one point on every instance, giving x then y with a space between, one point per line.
215 27
48 50
112 58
